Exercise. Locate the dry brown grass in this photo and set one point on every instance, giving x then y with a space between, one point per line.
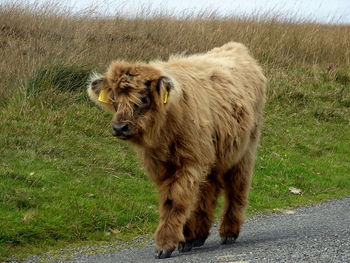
33 35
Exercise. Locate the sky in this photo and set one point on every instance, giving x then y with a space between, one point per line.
324 11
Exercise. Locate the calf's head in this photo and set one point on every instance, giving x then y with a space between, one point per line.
136 94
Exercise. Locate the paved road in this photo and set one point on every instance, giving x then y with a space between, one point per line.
320 233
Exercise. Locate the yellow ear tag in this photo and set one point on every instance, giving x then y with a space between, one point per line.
166 95
103 97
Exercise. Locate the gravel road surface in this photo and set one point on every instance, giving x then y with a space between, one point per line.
319 233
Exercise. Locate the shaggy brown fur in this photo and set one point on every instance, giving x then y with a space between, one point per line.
199 140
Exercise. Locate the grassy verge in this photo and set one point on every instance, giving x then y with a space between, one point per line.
60 177
65 179
305 144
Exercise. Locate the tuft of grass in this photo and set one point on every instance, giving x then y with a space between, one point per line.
64 180
61 78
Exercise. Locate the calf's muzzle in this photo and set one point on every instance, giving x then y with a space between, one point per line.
121 130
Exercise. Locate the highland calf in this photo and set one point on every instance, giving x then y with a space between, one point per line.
194 122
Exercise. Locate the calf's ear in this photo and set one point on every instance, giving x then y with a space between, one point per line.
96 84
164 87
99 92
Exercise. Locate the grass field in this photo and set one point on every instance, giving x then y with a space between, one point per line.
64 180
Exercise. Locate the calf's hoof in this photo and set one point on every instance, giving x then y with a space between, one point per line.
228 240
185 246
160 254
188 245
199 242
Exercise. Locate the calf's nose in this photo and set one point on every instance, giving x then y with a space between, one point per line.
120 129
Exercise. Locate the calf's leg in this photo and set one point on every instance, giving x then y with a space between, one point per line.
236 184
196 229
178 194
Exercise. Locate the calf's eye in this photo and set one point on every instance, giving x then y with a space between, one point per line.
145 100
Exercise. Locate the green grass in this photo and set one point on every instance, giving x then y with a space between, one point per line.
65 180
302 148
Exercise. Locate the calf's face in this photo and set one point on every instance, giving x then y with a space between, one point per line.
136 94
